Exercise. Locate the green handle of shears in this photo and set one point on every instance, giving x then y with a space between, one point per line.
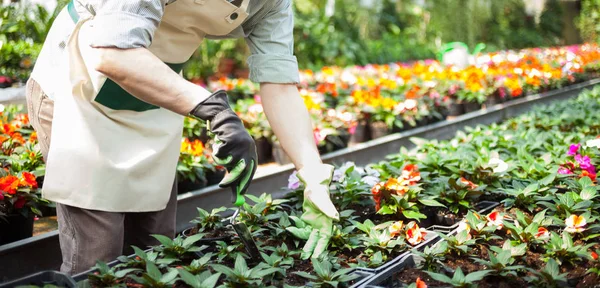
239 198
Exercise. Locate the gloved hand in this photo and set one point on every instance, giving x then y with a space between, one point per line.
234 148
319 212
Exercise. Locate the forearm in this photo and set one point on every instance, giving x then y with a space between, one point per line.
146 77
290 122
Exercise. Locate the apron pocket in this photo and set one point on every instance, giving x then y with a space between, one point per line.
114 97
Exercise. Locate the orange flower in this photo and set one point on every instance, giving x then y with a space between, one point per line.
420 283
542 233
17 137
195 148
585 173
8 128
29 180
594 255
376 191
9 184
468 183
33 137
575 223
415 235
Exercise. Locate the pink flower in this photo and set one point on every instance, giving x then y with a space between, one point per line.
352 128
573 149
257 99
564 171
585 163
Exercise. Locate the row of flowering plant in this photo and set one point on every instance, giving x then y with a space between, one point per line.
403 95
22 164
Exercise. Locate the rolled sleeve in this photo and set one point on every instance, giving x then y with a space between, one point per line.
271 44
126 24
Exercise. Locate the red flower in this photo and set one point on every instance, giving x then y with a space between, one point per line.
9 184
594 255
29 180
420 283
20 203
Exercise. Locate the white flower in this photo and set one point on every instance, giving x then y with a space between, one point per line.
498 165
593 143
410 104
370 180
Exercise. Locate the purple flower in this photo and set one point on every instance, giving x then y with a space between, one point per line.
293 181
563 170
338 175
584 162
573 149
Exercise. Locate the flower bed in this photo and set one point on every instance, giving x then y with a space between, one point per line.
541 167
356 104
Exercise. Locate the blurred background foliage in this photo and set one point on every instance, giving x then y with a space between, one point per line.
352 32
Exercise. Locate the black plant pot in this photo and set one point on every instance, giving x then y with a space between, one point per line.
15 227
493 100
264 149
41 279
378 129
361 133
279 155
472 106
213 178
456 109
186 185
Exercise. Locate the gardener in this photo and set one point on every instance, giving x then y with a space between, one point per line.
107 88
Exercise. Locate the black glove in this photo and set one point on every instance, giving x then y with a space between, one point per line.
234 148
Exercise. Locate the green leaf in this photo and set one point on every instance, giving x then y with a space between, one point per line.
431 202
153 271
548 180
224 269
306 275
169 276
439 277
188 278
211 281
192 239
386 210
459 276
240 267
265 272
540 216
476 276
413 214
122 273
164 240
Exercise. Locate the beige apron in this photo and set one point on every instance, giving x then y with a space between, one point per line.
111 151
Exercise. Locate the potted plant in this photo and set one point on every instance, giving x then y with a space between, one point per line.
195 170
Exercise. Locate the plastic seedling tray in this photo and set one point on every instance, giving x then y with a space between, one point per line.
41 279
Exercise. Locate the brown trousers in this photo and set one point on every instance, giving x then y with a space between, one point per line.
87 236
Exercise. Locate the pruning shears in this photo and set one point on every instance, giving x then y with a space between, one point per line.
240 227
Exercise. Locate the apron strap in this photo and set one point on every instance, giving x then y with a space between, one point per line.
72 12
244 5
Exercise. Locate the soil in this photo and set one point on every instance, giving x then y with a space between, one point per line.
219 233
